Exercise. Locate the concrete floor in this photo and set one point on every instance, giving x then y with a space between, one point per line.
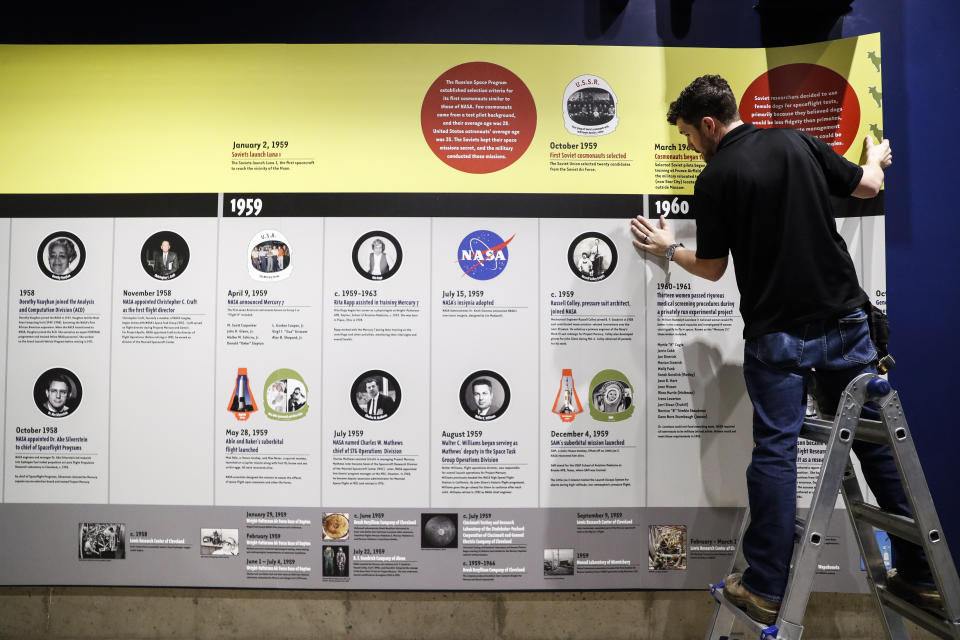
64 613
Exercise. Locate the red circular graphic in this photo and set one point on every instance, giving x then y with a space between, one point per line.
478 117
807 97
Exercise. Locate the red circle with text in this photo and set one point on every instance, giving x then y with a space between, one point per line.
478 117
808 97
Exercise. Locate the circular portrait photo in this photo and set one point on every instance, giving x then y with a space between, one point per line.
611 396
375 395
484 395
285 395
377 255
57 392
61 255
592 256
591 106
269 256
165 255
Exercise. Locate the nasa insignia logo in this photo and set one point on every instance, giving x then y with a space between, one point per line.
483 255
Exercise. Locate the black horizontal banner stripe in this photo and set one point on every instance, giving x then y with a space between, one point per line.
438 205
109 205
431 205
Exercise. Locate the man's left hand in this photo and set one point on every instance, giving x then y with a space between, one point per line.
651 238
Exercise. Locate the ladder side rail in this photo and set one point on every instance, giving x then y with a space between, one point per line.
721 624
893 624
804 565
924 511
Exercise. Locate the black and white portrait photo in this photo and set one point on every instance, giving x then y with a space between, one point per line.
57 392
61 255
164 255
484 395
377 255
592 256
375 395
102 541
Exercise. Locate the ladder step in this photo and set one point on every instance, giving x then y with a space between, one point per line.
757 629
820 430
901 526
933 623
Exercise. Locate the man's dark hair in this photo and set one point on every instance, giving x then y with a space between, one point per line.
58 377
482 382
707 96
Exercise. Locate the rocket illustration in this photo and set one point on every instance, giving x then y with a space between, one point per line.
241 402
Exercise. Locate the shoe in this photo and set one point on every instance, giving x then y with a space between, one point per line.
760 609
924 597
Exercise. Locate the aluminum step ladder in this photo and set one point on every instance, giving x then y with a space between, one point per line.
836 474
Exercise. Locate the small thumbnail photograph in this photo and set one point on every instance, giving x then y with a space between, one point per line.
438 531
336 561
102 541
558 562
668 547
219 542
336 526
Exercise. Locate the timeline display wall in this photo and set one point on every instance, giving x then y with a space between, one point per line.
344 316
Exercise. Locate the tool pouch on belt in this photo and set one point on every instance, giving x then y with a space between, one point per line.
879 328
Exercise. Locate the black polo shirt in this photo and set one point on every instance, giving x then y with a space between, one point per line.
765 198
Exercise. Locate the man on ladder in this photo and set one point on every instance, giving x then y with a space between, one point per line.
764 198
